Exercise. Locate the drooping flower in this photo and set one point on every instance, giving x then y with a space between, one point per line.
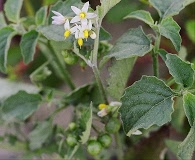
68 29
82 15
103 110
58 19
79 36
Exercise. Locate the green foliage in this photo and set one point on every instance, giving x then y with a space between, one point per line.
2 20
170 8
133 43
142 15
187 147
85 123
189 107
12 10
180 70
28 45
20 106
119 74
170 29
6 35
190 25
41 15
145 100
40 135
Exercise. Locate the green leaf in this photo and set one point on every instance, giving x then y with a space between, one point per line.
187 147
131 44
86 122
6 35
2 20
40 135
106 5
53 32
147 102
190 25
142 15
28 45
41 14
189 107
12 10
20 106
119 74
170 8
9 88
180 70
170 29
104 35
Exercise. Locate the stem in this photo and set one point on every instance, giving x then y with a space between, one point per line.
155 65
99 83
95 67
28 7
119 146
155 55
48 51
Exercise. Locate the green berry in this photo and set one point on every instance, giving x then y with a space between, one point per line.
71 59
72 126
113 125
71 140
94 147
105 140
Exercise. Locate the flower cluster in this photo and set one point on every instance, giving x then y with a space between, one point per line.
81 26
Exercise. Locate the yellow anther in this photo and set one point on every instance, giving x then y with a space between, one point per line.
67 33
80 42
86 33
102 106
82 15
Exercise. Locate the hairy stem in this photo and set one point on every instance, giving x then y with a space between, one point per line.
155 55
119 146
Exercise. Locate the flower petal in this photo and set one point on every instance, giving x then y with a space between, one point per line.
85 7
76 10
73 29
57 13
91 15
83 22
75 19
67 25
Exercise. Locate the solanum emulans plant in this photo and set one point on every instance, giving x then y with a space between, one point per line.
81 25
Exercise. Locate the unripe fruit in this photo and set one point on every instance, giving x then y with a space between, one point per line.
94 147
113 125
72 126
105 140
71 140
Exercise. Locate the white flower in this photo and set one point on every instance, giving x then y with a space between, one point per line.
115 104
92 35
68 29
79 36
102 112
82 14
58 19
137 132
85 28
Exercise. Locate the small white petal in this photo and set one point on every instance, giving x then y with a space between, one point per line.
89 25
73 29
77 34
76 10
91 15
102 113
85 7
57 13
117 104
84 21
75 19
67 25
138 132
